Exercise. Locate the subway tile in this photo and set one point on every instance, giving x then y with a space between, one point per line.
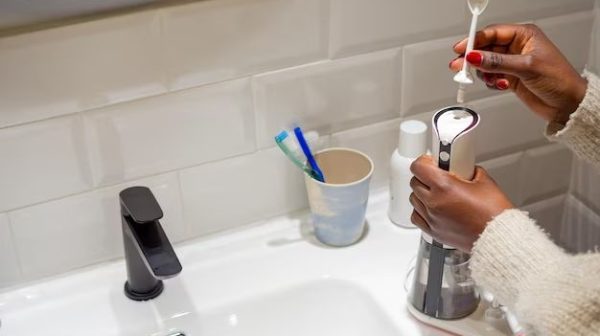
378 141
329 96
171 131
9 262
507 11
427 83
545 171
212 41
505 171
585 183
226 194
548 214
581 229
595 47
572 34
506 126
72 68
41 161
77 231
366 25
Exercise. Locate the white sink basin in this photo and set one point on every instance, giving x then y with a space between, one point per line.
267 280
326 307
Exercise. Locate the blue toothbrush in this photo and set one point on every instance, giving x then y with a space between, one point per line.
309 157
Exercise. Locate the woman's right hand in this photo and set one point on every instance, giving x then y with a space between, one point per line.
522 58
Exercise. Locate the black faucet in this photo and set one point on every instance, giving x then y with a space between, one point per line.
148 253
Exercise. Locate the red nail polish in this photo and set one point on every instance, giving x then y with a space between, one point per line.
475 58
502 84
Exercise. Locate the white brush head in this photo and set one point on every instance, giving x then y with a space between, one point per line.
460 96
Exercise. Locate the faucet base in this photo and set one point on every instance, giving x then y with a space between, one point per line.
136 296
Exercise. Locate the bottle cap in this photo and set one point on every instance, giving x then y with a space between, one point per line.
413 139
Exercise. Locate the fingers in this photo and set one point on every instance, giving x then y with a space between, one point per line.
496 63
427 171
419 216
419 189
494 35
419 207
416 219
492 45
492 81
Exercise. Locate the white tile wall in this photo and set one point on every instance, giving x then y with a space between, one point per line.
329 96
505 171
42 161
549 215
506 125
545 171
595 47
9 263
229 193
519 11
237 71
216 40
581 229
427 82
363 25
62 235
571 34
70 69
585 184
378 141
171 131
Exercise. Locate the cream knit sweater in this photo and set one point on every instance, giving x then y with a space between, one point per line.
550 291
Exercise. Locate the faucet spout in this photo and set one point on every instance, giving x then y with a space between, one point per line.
149 255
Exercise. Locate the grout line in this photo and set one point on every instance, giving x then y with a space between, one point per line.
134 179
14 247
91 17
187 228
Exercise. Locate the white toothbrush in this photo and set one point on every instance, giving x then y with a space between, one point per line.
464 76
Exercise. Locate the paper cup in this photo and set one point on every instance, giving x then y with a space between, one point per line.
338 206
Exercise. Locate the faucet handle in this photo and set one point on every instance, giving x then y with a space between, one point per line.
140 204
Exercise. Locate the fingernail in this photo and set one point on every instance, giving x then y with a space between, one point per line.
503 84
455 44
475 58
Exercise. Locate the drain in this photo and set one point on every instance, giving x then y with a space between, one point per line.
176 334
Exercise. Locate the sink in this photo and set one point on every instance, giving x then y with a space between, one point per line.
326 307
269 279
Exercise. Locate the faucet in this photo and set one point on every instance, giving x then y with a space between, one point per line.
149 256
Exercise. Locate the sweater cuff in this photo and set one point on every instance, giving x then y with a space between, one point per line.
581 133
511 248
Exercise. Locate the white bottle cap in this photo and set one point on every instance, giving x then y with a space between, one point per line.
413 139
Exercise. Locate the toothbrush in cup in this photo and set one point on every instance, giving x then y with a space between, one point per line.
318 174
289 147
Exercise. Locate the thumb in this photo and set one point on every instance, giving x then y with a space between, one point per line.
491 62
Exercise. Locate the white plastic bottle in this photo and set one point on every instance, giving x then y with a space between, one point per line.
412 144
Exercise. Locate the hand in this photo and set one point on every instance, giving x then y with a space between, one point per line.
452 210
522 58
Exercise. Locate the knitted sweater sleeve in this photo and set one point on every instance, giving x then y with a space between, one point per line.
582 132
549 290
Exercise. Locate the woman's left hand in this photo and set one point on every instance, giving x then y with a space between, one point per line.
450 209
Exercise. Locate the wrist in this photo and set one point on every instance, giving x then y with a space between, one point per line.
575 97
